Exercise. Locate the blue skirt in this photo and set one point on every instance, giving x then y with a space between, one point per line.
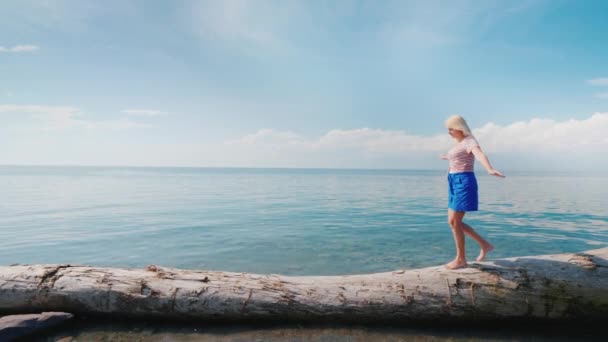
462 194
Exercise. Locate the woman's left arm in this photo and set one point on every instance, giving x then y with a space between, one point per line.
483 159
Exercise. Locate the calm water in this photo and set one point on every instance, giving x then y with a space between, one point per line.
286 221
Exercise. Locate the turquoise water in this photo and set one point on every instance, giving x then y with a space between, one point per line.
287 221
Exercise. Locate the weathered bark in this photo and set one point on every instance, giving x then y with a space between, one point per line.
549 286
12 327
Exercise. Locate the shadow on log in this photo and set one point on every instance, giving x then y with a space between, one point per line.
15 326
553 287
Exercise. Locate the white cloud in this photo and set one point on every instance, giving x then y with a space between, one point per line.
598 81
536 141
363 139
547 135
543 134
24 48
118 124
575 144
268 137
20 48
383 141
58 118
601 95
143 112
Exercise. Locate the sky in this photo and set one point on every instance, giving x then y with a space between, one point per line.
313 84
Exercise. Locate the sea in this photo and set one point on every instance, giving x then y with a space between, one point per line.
285 221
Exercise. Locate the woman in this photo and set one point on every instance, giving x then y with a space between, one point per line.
462 195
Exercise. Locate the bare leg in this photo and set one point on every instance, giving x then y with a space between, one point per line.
485 246
455 221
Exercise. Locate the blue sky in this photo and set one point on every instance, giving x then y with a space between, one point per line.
361 84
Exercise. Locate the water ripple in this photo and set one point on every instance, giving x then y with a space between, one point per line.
282 220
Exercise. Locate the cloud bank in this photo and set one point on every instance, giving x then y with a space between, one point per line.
540 134
535 143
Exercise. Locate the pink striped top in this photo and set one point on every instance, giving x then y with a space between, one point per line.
460 157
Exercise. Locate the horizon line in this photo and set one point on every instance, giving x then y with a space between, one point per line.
480 172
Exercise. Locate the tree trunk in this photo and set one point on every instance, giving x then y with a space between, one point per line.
551 286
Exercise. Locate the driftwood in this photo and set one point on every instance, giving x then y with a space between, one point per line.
561 286
12 327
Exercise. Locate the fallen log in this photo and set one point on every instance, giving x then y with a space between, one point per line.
560 286
15 326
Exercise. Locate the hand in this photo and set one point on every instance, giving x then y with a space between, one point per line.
496 173
443 156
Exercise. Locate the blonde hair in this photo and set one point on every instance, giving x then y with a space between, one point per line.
457 122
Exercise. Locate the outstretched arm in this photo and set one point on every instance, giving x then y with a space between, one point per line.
483 159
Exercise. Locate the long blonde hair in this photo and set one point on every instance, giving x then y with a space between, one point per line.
457 122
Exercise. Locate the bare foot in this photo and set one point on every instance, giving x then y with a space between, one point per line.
485 250
456 264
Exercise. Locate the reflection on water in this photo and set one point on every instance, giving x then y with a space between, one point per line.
282 220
